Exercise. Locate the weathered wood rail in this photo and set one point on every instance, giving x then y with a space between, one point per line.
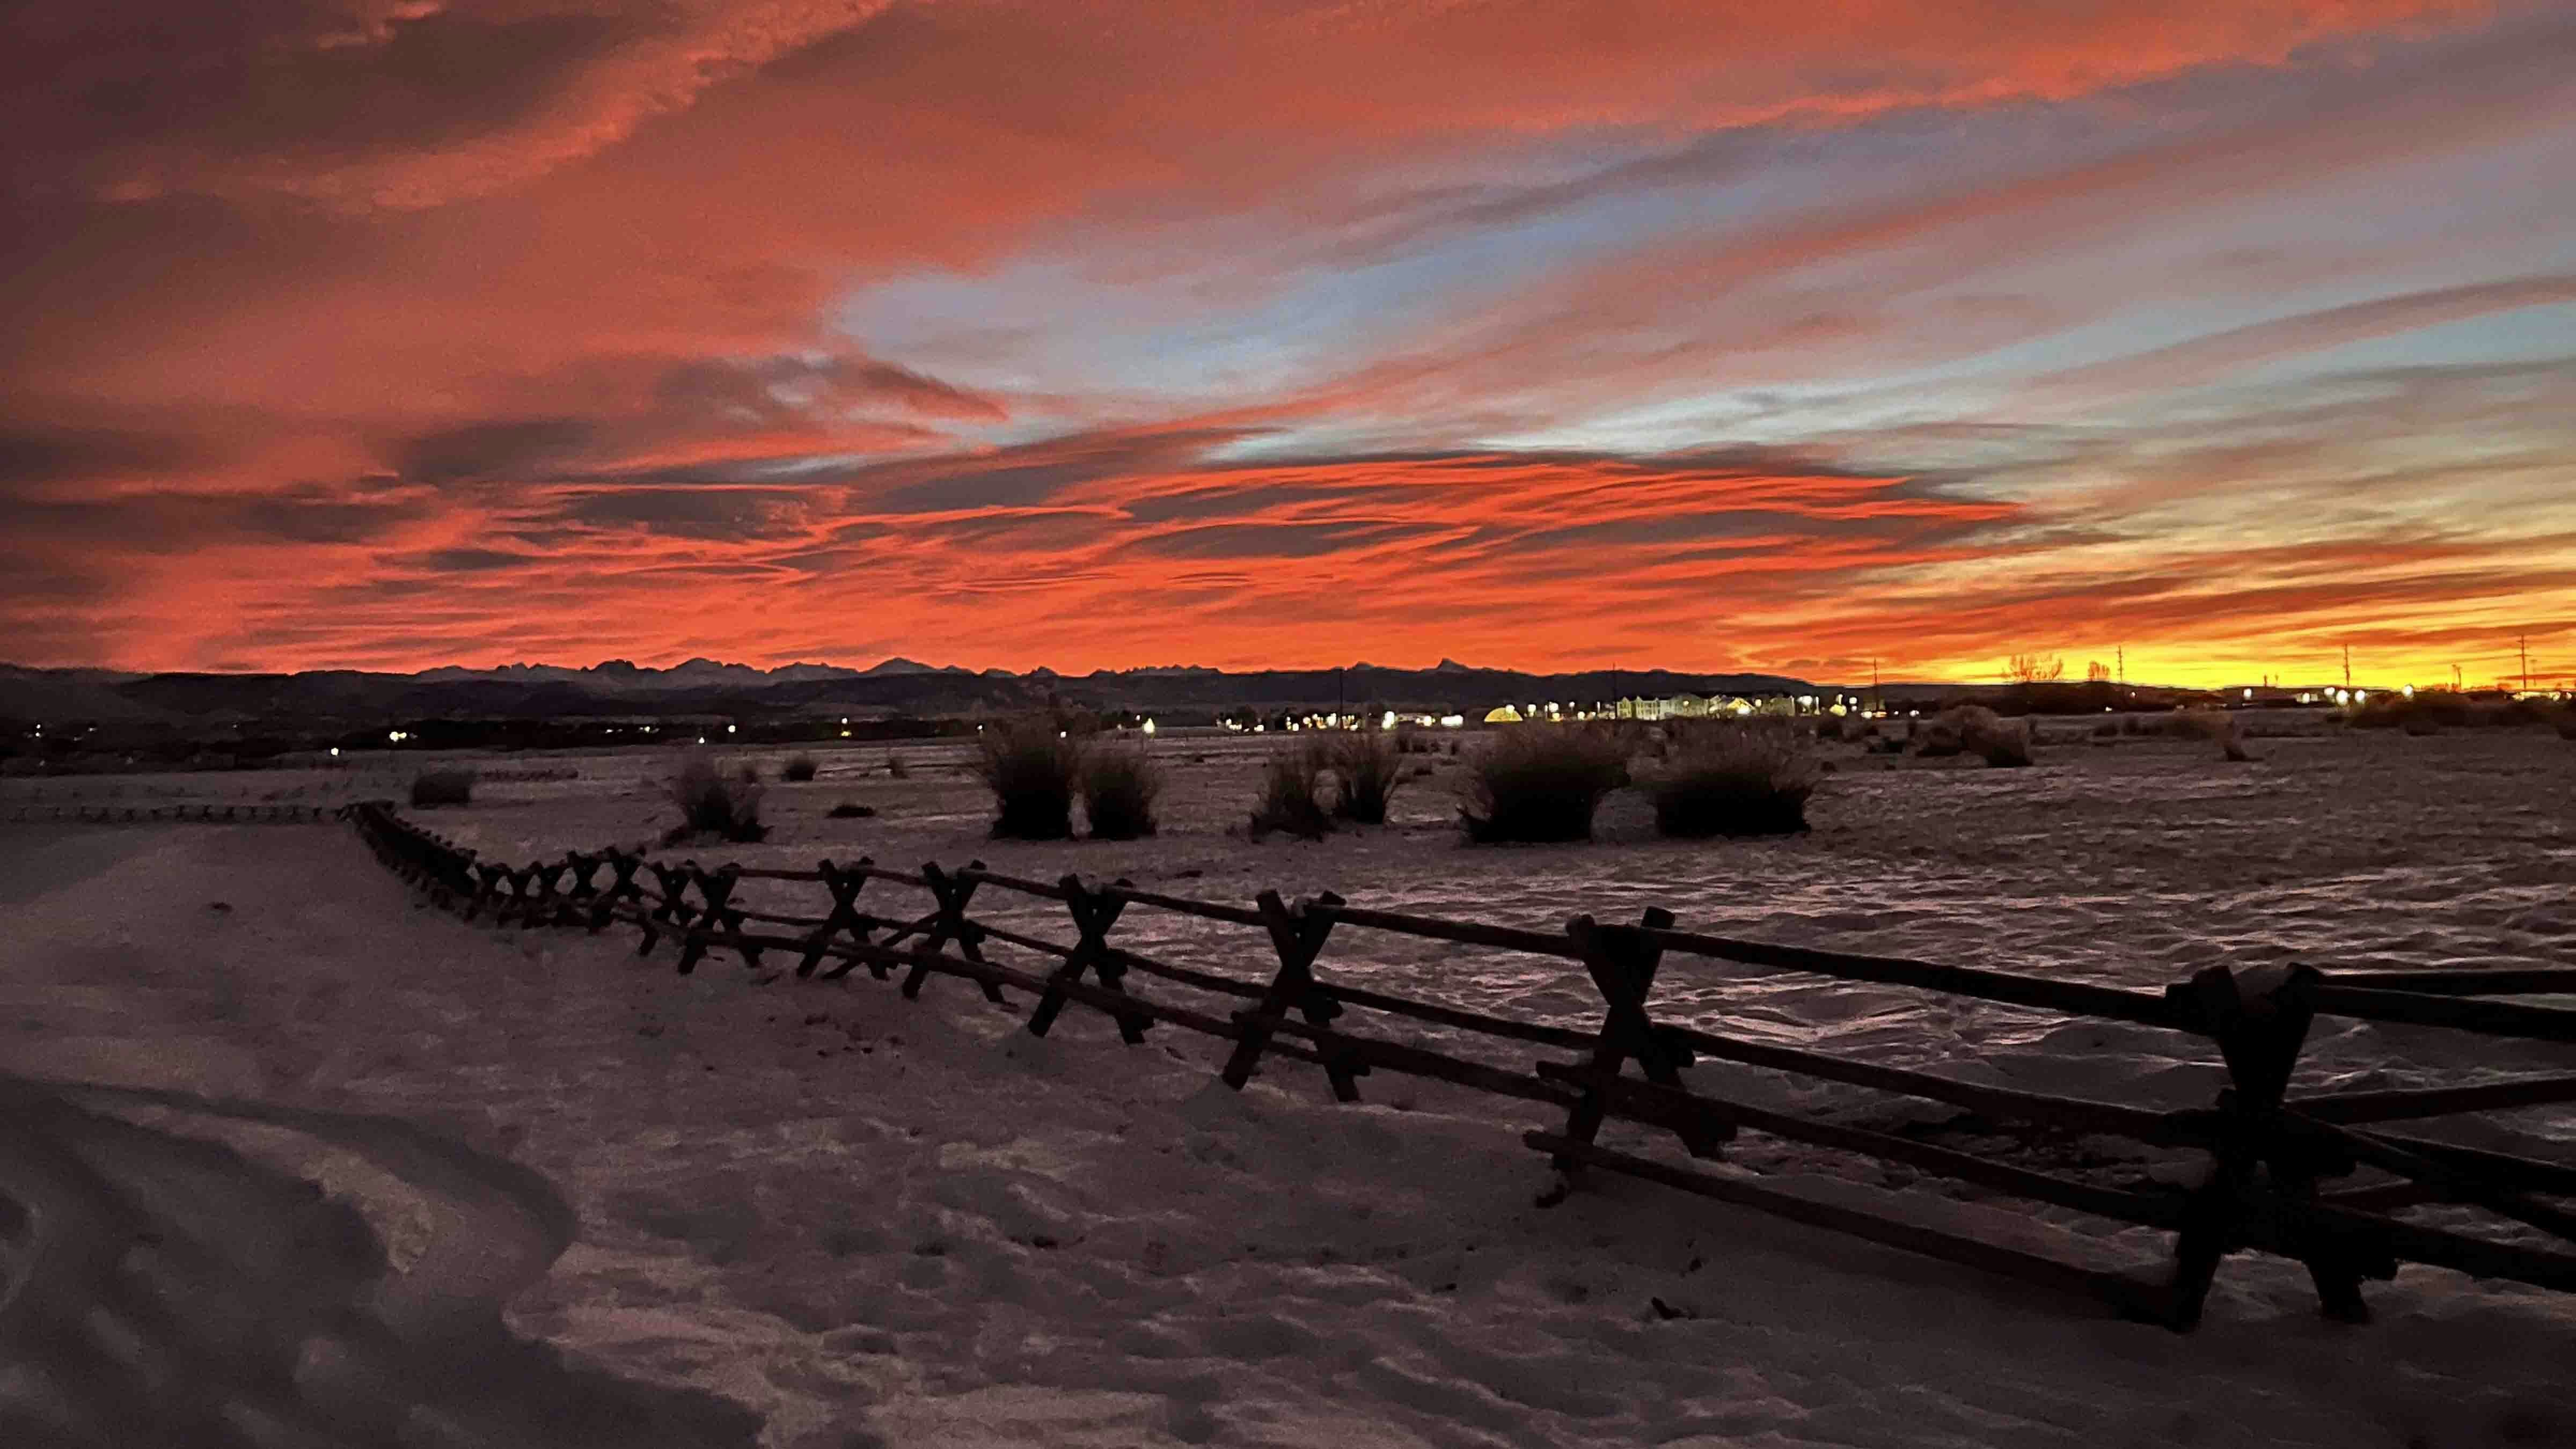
2272 1154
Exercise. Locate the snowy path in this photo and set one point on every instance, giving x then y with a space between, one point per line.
853 1220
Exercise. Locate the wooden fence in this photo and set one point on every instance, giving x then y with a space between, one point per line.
2272 1154
195 811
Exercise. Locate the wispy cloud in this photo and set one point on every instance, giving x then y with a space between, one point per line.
1549 333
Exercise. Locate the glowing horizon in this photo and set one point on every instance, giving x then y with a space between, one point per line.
1544 336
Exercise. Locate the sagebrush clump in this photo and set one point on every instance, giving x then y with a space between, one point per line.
1119 786
442 787
2215 725
1540 783
1291 782
714 803
1033 769
1367 771
799 769
1735 780
1976 730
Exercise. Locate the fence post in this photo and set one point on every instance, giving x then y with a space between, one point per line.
1298 936
623 888
952 893
674 908
487 887
561 902
518 908
715 889
2260 1023
844 916
1094 913
1622 964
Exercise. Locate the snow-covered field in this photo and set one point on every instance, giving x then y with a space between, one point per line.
724 1213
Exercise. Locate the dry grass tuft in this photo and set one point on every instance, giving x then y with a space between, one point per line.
1119 786
1367 771
1976 730
1735 780
712 804
2430 711
1033 769
2215 725
442 787
1540 783
1290 783
799 768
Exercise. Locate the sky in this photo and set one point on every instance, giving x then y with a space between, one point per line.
2210 337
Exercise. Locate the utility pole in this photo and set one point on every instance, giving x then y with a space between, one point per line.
2121 653
1877 696
2347 666
2455 679
2526 663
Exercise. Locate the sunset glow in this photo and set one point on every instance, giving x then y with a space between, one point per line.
2218 338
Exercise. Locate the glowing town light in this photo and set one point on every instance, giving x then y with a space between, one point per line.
1149 726
335 752
729 729
2410 691
1387 721
1452 721
2249 694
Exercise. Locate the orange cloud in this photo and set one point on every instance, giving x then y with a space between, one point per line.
379 332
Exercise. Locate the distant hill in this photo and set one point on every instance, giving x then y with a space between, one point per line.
341 698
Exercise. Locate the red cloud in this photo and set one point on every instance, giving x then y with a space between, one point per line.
377 333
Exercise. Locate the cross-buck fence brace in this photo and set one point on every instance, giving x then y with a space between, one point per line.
2313 1176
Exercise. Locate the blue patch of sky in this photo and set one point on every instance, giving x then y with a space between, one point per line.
1594 199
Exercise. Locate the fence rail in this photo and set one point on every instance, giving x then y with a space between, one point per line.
2272 1154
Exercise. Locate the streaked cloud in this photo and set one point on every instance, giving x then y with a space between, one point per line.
397 331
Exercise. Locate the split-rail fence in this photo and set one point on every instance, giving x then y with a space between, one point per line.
2277 1160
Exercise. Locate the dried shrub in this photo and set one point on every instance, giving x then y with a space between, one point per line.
897 769
799 769
1976 730
442 787
1735 780
1540 783
1119 786
1290 783
2430 711
713 804
2215 725
851 810
1033 770
1367 772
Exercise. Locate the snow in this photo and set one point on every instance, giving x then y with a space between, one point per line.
325 1166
